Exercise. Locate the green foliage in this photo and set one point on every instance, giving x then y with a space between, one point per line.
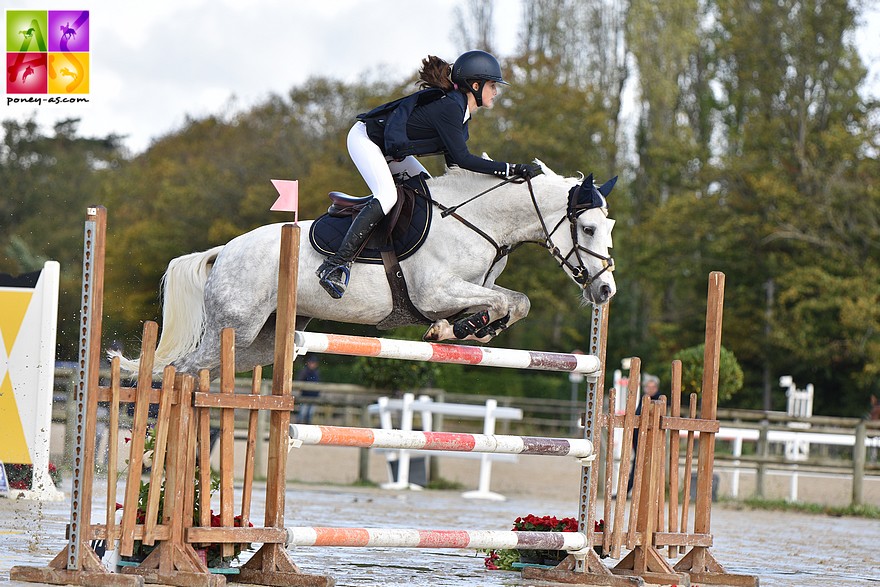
394 374
781 505
730 375
48 180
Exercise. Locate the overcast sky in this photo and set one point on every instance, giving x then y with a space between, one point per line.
153 63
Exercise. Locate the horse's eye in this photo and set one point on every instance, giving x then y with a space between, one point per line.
590 230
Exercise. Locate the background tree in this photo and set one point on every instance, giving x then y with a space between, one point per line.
45 179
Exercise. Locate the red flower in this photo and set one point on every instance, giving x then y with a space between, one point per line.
545 524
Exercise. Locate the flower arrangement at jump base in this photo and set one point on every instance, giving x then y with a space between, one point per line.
505 558
213 553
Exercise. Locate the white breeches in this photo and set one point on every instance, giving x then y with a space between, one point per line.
376 170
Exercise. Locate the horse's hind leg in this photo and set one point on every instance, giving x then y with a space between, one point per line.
262 350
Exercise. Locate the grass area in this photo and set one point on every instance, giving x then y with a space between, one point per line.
444 484
781 505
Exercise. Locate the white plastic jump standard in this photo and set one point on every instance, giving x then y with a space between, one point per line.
27 375
483 490
406 421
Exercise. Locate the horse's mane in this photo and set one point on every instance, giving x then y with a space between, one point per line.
458 184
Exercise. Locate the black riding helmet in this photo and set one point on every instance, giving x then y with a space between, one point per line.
476 66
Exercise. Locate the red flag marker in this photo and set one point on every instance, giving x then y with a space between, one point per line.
288 198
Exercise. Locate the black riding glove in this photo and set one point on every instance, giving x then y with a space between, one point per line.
524 170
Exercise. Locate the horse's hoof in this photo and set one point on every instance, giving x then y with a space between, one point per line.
435 331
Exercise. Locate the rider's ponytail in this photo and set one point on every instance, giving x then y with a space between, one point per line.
435 73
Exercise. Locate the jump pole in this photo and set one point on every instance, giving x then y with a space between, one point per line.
408 538
433 352
441 441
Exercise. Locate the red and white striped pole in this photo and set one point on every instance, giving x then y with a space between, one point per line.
441 441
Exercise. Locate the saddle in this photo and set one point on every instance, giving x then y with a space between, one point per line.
397 237
403 230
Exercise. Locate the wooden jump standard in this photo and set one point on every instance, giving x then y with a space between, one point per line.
182 441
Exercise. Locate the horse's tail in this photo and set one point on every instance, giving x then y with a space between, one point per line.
183 309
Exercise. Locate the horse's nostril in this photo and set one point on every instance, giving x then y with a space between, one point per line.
605 292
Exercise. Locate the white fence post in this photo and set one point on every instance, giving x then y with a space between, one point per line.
483 489
800 405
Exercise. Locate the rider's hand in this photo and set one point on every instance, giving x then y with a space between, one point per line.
524 170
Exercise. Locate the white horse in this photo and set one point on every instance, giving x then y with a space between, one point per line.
453 274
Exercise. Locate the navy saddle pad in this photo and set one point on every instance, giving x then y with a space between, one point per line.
413 204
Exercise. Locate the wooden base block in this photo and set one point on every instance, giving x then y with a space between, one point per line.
654 578
573 578
272 565
650 565
596 573
65 577
726 579
282 579
175 564
703 568
176 578
92 572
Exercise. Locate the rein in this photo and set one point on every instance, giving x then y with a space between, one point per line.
578 272
447 211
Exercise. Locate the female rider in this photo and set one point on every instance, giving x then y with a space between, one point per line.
434 120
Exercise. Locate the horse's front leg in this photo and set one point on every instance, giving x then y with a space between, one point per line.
493 310
519 309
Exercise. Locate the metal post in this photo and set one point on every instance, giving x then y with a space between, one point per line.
576 379
364 453
763 451
859 463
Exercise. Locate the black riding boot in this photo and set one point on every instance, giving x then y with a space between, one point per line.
334 271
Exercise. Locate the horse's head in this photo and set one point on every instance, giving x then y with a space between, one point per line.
584 249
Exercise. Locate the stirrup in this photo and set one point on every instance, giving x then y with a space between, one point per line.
335 288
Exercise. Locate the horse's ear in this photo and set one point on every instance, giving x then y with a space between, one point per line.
606 187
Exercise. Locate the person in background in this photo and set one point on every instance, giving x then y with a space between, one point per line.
311 373
650 387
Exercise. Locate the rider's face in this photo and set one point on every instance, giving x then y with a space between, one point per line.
490 90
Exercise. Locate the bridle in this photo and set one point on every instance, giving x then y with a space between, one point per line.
577 270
